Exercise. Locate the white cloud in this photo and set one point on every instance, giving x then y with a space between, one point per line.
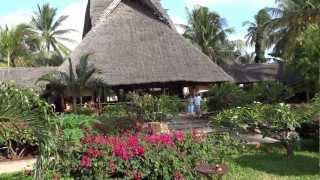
15 18
75 11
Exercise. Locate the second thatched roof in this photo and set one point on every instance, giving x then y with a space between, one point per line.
134 42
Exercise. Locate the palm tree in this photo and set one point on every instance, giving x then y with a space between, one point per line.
291 18
257 34
207 30
15 43
45 24
73 81
24 106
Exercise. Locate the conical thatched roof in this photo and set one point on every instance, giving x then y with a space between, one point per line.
134 42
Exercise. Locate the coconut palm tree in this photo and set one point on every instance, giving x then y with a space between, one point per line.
257 34
73 81
207 30
48 27
290 20
15 43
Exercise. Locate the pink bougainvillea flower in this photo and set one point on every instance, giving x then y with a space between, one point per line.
93 153
85 162
137 175
178 176
165 139
121 151
112 167
179 135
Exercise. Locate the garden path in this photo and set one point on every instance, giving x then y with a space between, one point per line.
16 166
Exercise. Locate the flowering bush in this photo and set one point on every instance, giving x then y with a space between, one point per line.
278 121
136 156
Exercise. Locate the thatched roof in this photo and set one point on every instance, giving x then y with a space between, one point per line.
26 77
134 42
251 73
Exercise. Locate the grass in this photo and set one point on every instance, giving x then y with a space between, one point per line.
275 166
16 176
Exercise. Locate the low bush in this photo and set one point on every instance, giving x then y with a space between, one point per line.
278 121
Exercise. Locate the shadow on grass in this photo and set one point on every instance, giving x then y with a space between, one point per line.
279 164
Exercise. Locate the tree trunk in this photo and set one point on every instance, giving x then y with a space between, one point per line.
289 148
8 58
62 103
74 99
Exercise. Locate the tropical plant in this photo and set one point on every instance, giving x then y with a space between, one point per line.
257 34
74 82
15 43
306 61
45 23
24 106
227 95
207 30
290 19
271 92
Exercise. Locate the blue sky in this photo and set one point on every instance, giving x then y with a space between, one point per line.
235 11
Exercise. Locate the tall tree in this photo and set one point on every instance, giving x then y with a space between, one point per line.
47 25
306 61
15 43
290 20
257 34
208 30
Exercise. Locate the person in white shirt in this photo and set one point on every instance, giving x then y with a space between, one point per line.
197 104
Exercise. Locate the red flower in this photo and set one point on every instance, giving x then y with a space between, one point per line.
85 162
93 153
165 139
137 175
120 150
178 176
132 141
179 135
112 167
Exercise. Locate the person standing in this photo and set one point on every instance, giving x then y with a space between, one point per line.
190 105
197 104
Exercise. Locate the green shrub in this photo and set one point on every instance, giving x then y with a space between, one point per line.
114 111
278 121
226 96
16 140
153 108
72 126
271 92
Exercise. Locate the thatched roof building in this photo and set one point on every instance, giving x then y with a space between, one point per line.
252 73
134 43
25 77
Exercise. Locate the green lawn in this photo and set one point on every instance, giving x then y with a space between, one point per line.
273 166
259 166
